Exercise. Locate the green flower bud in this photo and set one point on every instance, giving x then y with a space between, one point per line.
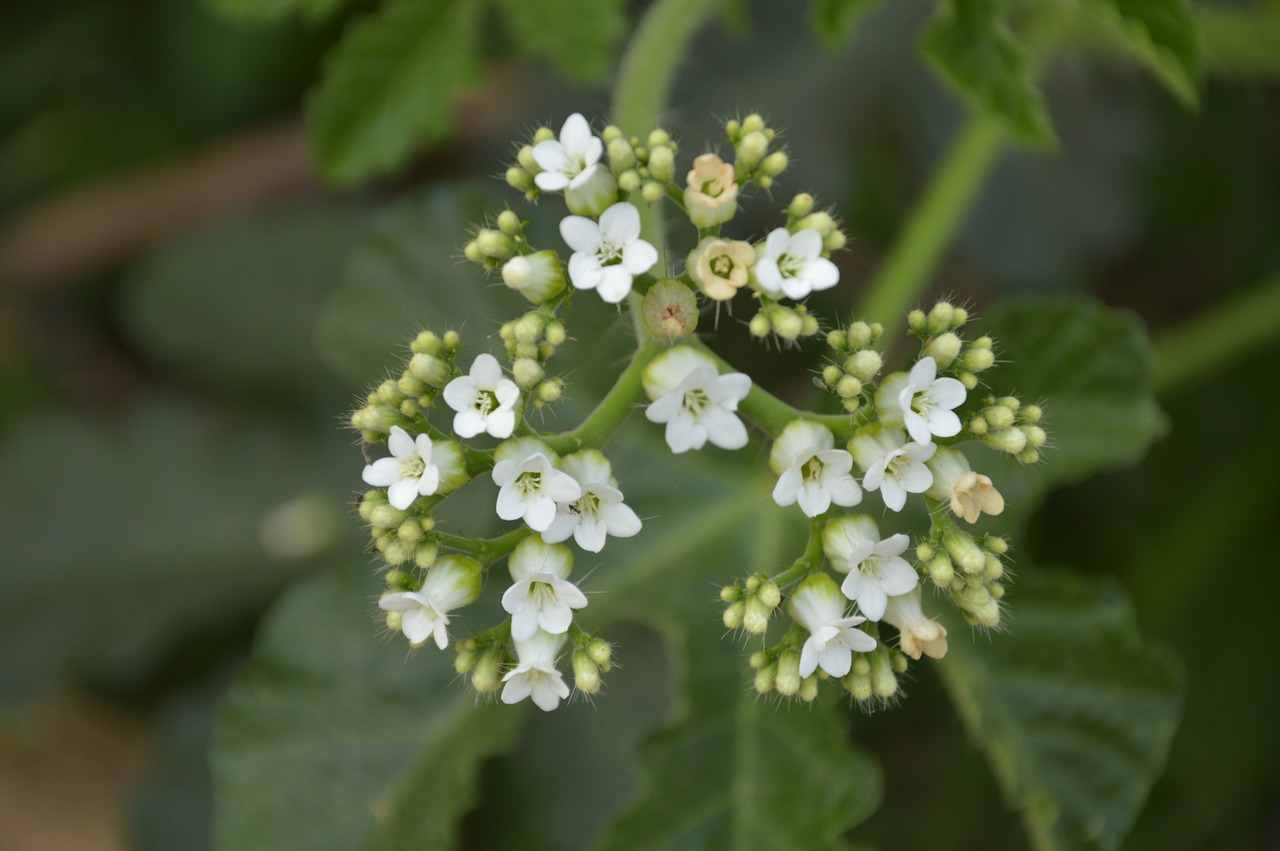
941 573
527 373
832 374
851 405
858 336
669 309
387 517
758 659
1009 440
594 195
426 343
395 553
518 178
998 416
993 569
1028 456
755 618
834 241
401 581
787 680
959 316
393 620
1036 436
786 323
1030 414
411 386
759 326
820 221
465 660
430 370
550 391
473 253
751 150
859 685
509 223
733 615
837 339
916 320
424 555
409 532
451 341
964 551
621 155
774 164
733 129
486 676
978 360
659 137
864 364
662 165
554 333
940 318
944 349
543 134
764 679
629 181
801 206
848 387
495 244
808 689
652 192
611 132
753 122
808 325
601 652
769 594
884 683
586 674
925 551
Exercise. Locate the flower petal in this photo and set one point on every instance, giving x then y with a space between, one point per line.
621 520
468 423
776 243
552 158
510 506
501 423
382 473
402 494
724 429
615 284
580 234
400 443
460 394
813 499
590 534
486 371
821 273
620 224
638 257
585 271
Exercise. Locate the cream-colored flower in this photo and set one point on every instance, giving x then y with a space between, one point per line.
721 267
971 494
712 194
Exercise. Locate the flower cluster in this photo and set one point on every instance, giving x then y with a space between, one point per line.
893 439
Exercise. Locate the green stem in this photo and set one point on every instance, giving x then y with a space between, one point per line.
806 564
1208 342
644 77
772 414
601 423
915 256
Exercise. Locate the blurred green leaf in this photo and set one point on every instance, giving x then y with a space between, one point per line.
1239 42
333 739
407 274
1091 369
836 20
388 85
1160 33
237 304
274 10
579 37
125 541
734 771
1074 709
976 52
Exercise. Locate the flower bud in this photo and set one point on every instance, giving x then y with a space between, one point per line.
669 309
518 178
526 160
758 659
787 680
611 132
394 552
527 372
978 360
393 620
550 391
858 685
1009 440
769 594
495 244
998 416
509 223
538 277
1028 456
808 689
662 165
848 387
711 193
944 349
621 155
864 364
752 123
831 375
774 164
993 569
409 532
652 192
964 551
429 370
426 343
751 150
554 333
759 326
424 555
451 341
486 676
733 615
543 134
820 221
884 683
940 318
465 660
755 618
1036 436
593 195
786 323
586 674
601 652
764 679
387 517
916 320
801 206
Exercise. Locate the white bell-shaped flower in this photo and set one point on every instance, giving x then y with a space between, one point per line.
968 494
818 606
529 487
695 401
569 159
918 634
876 570
535 675
893 466
792 265
484 400
599 512
811 472
408 473
607 255
921 402
541 595
452 582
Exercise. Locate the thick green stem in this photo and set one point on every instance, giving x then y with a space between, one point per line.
928 233
1206 343
596 429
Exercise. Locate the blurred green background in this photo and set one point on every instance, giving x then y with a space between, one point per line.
187 310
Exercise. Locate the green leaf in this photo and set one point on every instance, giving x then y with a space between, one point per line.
1160 33
333 739
275 10
1239 43
734 771
1074 709
836 20
1091 370
579 37
128 541
977 53
388 85
236 305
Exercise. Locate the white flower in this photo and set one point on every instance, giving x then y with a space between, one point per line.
818 606
598 512
695 401
607 255
541 596
711 197
569 160
918 634
921 402
812 473
408 473
535 674
452 582
894 467
485 400
875 568
529 487
969 493
793 265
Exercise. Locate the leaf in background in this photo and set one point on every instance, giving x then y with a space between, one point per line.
332 738
388 85
125 543
975 51
579 37
735 771
1160 33
237 304
1074 709
407 274
836 20
1091 369
275 10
